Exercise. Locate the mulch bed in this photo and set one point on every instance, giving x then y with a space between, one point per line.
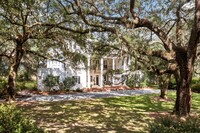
28 93
110 88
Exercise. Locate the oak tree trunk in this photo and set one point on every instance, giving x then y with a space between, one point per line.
164 86
13 71
185 59
183 99
163 93
11 82
183 94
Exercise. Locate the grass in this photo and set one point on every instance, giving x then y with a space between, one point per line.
118 114
29 85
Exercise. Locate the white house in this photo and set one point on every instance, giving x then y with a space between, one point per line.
97 72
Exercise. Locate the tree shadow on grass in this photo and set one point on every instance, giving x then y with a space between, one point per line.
195 103
118 114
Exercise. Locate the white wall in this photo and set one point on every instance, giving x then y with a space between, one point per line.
57 69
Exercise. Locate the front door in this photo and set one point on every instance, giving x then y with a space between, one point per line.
97 79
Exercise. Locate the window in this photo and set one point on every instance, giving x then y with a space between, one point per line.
91 79
105 65
105 78
96 64
77 79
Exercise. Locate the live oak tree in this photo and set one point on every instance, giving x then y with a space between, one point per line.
155 68
31 28
19 23
167 20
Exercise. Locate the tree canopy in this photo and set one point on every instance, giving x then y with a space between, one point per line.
30 26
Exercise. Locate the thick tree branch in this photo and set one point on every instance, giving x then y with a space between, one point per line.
162 71
5 55
160 54
42 56
167 42
132 5
9 18
195 34
178 25
170 28
198 54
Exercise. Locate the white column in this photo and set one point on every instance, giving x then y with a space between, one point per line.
113 68
101 73
88 72
129 60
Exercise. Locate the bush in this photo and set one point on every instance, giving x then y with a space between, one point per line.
130 82
134 82
3 86
172 84
175 125
144 84
30 85
68 83
195 84
13 121
79 90
195 80
24 76
3 82
196 87
51 81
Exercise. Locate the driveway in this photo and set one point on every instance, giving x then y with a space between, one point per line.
88 95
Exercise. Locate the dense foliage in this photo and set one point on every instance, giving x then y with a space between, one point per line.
68 83
175 125
51 81
34 27
13 121
195 85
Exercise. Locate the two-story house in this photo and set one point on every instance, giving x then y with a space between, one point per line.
96 72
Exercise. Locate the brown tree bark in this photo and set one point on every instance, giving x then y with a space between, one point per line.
163 93
185 59
164 86
13 70
183 95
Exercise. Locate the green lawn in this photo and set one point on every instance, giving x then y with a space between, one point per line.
119 114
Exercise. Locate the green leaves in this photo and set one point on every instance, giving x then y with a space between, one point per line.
176 125
51 81
13 121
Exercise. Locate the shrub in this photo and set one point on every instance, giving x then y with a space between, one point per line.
196 87
24 85
79 90
68 83
130 82
175 125
195 80
144 84
13 121
3 82
51 81
172 84
23 76
134 82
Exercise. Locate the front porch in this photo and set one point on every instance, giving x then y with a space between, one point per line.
107 71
